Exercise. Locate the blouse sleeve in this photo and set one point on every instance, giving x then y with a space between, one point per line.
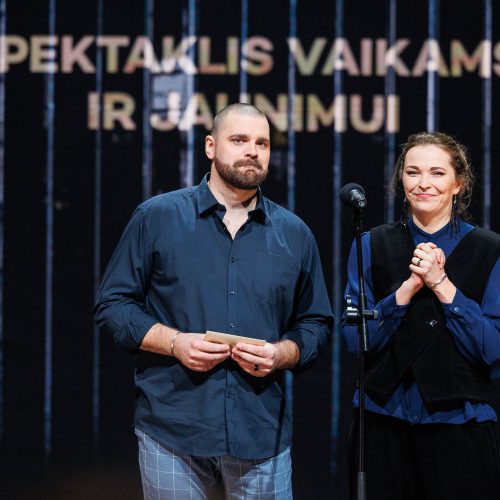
390 314
477 327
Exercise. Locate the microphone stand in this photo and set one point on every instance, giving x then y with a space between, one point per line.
360 316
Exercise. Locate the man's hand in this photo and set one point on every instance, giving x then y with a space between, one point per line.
198 354
189 348
260 361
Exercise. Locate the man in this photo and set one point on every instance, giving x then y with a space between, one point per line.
222 257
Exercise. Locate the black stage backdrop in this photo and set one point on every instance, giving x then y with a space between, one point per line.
104 103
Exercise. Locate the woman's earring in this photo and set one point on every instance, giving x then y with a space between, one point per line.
404 214
454 221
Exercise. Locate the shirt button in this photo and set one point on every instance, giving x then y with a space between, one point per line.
456 309
232 292
233 259
231 325
229 395
433 323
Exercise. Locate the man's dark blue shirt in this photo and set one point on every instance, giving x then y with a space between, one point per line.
176 264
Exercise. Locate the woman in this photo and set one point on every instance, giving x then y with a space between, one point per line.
435 281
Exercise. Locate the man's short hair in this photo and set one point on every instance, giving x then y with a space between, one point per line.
239 108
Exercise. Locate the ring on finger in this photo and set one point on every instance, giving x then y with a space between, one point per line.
256 368
419 261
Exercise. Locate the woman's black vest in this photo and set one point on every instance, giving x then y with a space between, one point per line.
423 348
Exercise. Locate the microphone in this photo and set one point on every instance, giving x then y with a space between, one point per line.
353 195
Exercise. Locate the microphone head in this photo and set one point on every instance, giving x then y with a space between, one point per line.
353 194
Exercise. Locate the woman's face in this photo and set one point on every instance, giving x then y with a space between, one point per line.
429 181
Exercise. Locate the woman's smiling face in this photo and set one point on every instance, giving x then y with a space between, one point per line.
429 181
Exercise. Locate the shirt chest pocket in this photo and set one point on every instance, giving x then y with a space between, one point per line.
275 278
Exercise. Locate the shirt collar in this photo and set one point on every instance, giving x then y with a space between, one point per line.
414 230
204 197
259 212
207 202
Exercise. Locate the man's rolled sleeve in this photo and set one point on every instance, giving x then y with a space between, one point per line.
314 319
311 341
127 334
120 308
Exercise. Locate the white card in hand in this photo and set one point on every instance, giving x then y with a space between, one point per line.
232 340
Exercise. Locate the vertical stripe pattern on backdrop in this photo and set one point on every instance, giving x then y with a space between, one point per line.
243 39
390 90
487 117
3 29
96 353
292 30
147 132
338 87
49 123
432 74
189 24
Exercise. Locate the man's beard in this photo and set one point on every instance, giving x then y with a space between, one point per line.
239 177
